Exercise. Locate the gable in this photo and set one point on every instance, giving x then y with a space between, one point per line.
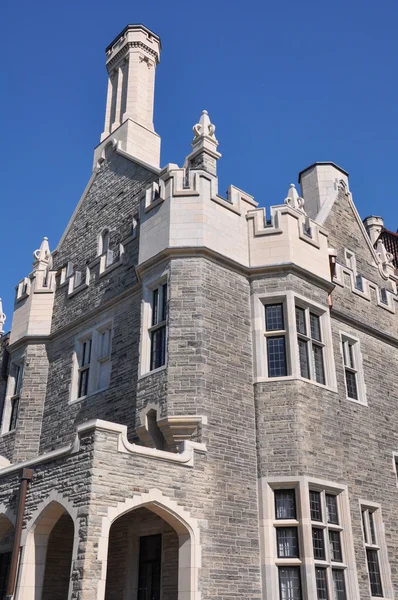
346 231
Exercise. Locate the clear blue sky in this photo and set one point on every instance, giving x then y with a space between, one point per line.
286 83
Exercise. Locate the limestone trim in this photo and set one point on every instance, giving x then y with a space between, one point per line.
186 527
379 545
125 49
35 539
290 300
268 543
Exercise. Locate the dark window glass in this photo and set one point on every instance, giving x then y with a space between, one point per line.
105 241
285 504
155 307
317 355
383 296
300 321
332 516
372 528
14 413
289 583
5 560
287 542
303 358
365 529
315 324
351 381
318 544
164 303
149 567
335 546
339 585
359 282
18 379
158 348
321 584
83 383
274 317
374 573
315 506
86 353
276 352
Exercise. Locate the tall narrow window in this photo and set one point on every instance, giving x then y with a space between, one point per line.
321 584
276 340
158 328
353 371
104 241
18 376
149 567
84 367
104 357
339 585
289 583
310 345
285 504
372 551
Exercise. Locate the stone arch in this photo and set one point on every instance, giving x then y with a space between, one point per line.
7 530
36 538
187 529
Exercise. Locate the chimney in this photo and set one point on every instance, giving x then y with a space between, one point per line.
319 186
131 61
374 226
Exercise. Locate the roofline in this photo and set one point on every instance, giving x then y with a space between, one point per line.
133 26
315 164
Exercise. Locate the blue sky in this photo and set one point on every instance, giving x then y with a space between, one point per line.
286 83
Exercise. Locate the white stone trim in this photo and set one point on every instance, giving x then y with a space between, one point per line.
360 381
384 565
186 527
268 549
34 541
289 300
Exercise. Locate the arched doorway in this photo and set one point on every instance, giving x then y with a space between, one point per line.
47 558
6 544
142 558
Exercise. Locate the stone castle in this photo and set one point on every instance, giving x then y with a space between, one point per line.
199 397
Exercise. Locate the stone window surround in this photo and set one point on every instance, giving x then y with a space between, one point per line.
289 300
361 387
148 286
384 565
93 388
18 359
269 558
395 466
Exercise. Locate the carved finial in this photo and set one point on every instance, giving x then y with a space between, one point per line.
205 127
2 318
384 257
42 255
293 199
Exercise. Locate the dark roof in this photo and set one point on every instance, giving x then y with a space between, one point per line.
321 163
134 26
390 241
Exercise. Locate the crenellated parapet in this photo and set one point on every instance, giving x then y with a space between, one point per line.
35 298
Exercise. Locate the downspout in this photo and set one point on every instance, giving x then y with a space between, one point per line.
26 476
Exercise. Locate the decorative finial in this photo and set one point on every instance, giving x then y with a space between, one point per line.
384 257
42 255
205 127
2 318
293 199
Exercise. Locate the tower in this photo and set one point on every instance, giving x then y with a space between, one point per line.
131 61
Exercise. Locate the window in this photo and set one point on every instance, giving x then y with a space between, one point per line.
93 357
310 345
104 242
158 327
372 551
318 553
383 296
276 340
353 372
17 384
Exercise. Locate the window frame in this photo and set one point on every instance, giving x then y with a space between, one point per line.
290 299
378 544
276 334
147 328
270 560
346 341
13 395
95 364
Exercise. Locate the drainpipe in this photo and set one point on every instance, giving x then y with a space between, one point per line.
26 476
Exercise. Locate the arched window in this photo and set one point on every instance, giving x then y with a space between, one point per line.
103 244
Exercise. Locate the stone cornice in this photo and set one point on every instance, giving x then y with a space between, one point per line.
115 59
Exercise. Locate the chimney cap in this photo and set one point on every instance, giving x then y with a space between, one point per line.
132 27
316 164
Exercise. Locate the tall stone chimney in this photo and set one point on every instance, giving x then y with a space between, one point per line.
319 186
131 61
